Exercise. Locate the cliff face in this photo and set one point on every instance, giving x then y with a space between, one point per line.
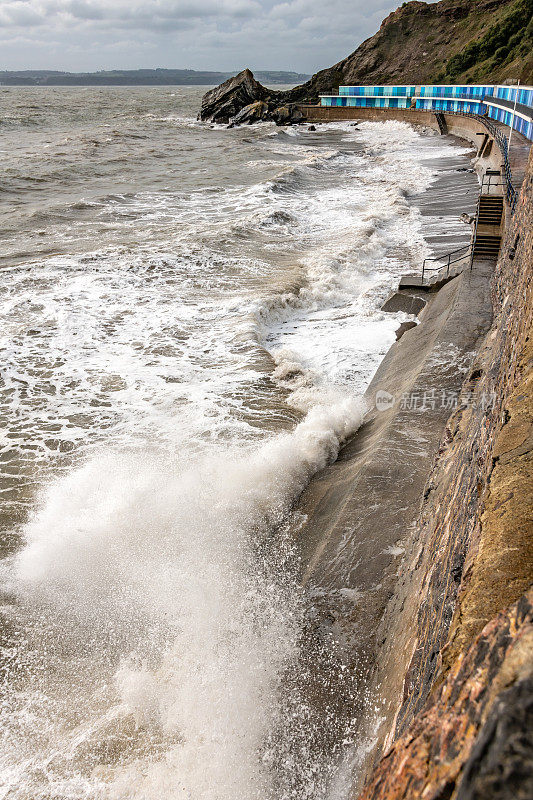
474 741
452 41
463 696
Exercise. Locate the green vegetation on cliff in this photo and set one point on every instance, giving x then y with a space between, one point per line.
452 41
506 48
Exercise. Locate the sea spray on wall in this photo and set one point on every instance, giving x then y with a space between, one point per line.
179 575
157 640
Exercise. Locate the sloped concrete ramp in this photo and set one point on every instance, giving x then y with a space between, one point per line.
359 514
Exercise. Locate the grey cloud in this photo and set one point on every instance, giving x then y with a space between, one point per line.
19 14
118 12
302 35
81 9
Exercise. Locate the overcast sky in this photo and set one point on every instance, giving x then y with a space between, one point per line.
300 35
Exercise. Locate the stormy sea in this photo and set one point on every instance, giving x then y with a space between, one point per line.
190 316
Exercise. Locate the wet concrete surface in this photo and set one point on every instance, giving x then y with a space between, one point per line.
356 520
358 539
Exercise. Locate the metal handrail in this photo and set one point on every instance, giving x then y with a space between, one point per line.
490 184
447 257
511 193
474 237
486 181
487 184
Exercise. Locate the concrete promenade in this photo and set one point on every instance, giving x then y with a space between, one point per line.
359 542
459 125
362 511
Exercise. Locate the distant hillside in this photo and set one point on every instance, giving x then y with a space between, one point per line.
136 77
453 41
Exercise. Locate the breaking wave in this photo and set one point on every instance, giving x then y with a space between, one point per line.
179 360
185 577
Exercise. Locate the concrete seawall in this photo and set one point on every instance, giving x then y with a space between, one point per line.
469 128
403 501
466 712
331 114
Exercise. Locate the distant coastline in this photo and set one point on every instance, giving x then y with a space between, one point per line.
137 77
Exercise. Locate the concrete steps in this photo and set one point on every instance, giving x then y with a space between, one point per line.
441 122
487 246
488 226
490 210
490 217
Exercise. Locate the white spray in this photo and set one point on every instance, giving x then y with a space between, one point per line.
134 552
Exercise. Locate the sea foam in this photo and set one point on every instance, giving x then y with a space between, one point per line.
128 552
155 599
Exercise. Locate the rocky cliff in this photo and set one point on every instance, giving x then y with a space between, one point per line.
452 41
475 740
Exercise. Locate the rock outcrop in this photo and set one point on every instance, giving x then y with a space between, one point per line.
231 97
254 112
452 41
288 114
243 100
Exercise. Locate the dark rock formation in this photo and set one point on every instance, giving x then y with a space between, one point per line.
254 112
242 99
501 761
231 97
452 41
287 115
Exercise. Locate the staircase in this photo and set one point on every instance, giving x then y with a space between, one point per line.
485 245
441 122
487 237
490 210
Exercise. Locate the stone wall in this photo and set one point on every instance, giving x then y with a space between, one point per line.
474 741
475 553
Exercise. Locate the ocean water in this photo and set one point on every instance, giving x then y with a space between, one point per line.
190 317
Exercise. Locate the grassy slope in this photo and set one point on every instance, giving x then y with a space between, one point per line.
453 41
504 51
